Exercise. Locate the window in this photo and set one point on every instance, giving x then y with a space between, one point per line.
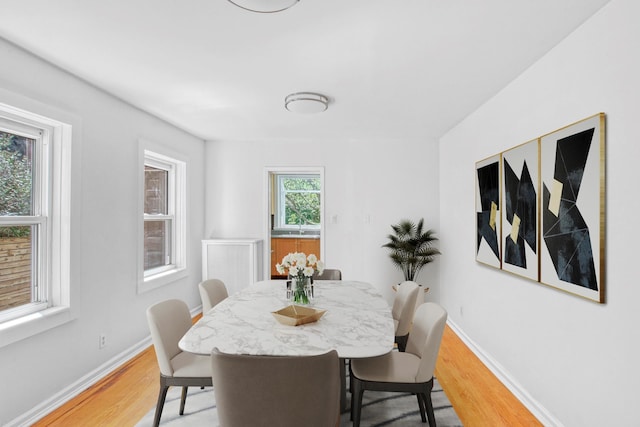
298 202
164 236
23 217
158 221
34 228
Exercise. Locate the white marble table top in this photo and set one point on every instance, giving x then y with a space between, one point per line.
357 323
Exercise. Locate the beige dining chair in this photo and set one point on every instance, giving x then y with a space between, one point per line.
212 291
410 371
284 391
404 306
168 322
328 274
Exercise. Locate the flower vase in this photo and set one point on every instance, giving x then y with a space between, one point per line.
300 285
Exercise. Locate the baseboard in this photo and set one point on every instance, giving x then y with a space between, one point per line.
74 389
539 411
68 393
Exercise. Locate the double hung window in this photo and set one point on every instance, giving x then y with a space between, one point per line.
298 202
23 217
34 221
164 233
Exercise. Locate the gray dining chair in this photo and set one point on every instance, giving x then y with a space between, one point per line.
285 391
404 306
328 274
168 322
212 291
410 371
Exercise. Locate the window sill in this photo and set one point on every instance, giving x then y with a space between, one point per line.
32 324
161 279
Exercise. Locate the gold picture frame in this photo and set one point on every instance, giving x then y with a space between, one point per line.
572 208
540 209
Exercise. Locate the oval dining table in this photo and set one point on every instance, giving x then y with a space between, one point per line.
357 324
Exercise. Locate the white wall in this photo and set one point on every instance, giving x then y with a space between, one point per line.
384 180
576 359
104 232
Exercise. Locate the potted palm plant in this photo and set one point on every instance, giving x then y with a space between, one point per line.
411 247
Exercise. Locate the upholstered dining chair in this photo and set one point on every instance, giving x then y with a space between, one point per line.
404 306
168 322
328 274
410 371
285 391
212 291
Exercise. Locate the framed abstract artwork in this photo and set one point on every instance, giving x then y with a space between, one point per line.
519 210
488 216
572 211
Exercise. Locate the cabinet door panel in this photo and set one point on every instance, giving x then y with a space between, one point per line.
282 248
274 257
309 246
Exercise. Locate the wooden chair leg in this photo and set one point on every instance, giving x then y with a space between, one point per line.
183 399
161 398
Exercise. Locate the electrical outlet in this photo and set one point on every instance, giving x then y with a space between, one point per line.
103 341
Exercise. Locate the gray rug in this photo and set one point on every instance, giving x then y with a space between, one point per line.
379 409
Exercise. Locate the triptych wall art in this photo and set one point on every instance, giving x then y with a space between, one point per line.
540 209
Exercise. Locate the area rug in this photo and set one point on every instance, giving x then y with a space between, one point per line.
379 409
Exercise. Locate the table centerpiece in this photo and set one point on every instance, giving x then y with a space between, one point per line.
300 268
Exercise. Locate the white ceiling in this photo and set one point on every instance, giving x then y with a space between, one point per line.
392 69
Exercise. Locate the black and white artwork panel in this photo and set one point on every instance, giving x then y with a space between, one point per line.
572 208
520 210
488 217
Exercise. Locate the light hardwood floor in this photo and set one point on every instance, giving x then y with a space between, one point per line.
126 395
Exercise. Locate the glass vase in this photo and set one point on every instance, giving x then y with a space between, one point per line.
301 290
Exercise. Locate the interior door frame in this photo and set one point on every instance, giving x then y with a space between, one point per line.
301 170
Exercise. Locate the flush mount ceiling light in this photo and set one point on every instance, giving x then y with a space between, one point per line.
264 6
306 102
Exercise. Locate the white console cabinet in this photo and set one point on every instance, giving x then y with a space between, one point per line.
237 262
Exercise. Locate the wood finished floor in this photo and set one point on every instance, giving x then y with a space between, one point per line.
126 395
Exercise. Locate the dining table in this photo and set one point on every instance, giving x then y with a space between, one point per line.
357 323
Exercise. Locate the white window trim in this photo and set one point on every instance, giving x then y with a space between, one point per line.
152 152
57 263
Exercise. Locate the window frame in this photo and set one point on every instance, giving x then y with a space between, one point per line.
281 197
156 156
169 217
38 219
52 171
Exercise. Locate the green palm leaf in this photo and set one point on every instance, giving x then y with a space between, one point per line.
410 247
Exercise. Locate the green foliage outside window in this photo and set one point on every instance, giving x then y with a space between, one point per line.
302 200
15 181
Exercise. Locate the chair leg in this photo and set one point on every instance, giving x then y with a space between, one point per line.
356 401
402 342
161 397
430 414
343 384
421 405
351 404
183 399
